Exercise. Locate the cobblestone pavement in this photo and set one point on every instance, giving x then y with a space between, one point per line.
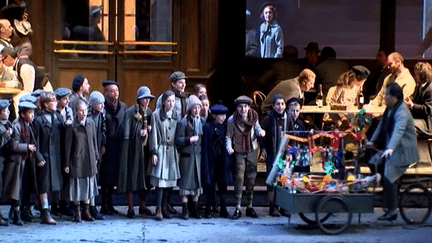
264 229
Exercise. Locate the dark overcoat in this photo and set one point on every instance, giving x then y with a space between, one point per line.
14 164
4 140
190 155
81 151
134 155
109 169
422 108
216 162
48 140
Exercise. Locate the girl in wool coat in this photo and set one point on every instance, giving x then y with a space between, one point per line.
164 156
188 139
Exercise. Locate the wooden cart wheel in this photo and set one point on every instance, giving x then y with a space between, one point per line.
340 212
415 204
310 219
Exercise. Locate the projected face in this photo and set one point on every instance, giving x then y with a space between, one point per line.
268 14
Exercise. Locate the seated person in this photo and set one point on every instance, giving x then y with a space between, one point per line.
347 90
420 103
348 87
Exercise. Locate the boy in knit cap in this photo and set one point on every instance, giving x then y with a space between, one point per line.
5 137
241 142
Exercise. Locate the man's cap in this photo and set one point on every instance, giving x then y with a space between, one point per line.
243 100
4 104
28 98
108 82
176 76
62 92
37 92
26 105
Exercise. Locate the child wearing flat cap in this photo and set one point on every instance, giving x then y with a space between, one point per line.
5 137
216 167
241 141
20 180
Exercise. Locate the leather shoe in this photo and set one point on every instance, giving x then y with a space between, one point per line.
96 214
250 212
237 214
131 214
46 217
146 211
171 209
166 212
387 216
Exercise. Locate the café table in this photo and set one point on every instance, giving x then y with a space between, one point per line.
313 109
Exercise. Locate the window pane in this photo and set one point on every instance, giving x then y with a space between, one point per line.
148 20
408 27
85 20
352 28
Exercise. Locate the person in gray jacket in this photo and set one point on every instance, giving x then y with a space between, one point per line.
396 136
188 140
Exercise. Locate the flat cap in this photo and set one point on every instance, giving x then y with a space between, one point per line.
4 104
109 82
176 76
37 92
361 71
243 100
26 105
62 92
28 98
219 109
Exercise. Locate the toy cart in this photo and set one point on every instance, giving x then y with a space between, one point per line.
331 212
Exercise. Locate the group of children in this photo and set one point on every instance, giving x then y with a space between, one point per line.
54 150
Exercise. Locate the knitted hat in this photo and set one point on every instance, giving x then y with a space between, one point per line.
77 82
96 96
144 92
243 100
191 101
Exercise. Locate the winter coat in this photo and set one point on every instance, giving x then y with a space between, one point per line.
190 154
215 160
14 165
47 134
161 143
134 154
81 151
110 166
